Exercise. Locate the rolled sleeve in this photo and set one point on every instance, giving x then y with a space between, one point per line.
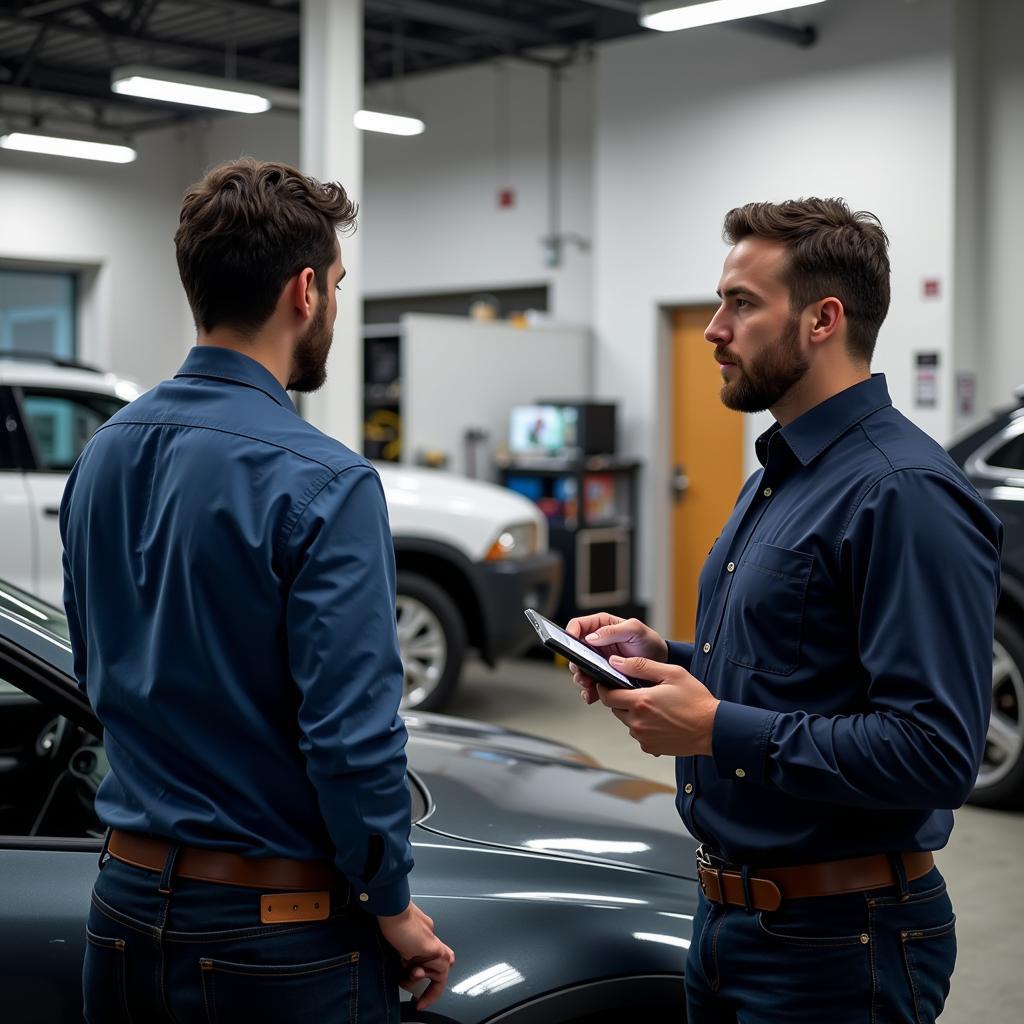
344 656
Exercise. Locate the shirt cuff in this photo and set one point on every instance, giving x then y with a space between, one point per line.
680 654
739 741
384 900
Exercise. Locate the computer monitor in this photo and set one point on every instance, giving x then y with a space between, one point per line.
536 430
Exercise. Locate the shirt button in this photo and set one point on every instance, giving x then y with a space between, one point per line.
767 492
706 648
364 897
688 788
740 773
731 567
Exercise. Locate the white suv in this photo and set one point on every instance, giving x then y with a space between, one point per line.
470 555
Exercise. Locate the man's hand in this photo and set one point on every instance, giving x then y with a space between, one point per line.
628 638
675 716
423 954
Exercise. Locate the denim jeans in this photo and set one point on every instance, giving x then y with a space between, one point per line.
860 958
201 956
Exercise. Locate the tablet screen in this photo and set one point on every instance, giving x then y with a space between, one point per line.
585 654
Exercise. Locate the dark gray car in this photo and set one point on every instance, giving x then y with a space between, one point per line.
566 890
992 456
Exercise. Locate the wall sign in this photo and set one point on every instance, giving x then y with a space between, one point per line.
966 389
926 380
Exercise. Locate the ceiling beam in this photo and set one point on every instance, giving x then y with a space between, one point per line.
457 17
190 51
432 47
48 7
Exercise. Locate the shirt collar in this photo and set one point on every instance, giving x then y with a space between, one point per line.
227 364
818 428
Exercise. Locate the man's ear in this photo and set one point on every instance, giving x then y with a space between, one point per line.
827 317
302 293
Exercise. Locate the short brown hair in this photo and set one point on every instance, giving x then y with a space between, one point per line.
832 251
248 227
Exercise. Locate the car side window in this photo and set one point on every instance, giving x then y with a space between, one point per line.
1009 455
61 423
49 770
8 430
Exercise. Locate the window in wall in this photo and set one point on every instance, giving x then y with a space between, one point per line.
37 313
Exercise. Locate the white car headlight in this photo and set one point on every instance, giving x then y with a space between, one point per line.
516 541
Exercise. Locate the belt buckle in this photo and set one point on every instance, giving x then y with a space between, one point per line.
703 858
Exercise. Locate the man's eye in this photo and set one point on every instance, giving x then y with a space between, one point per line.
740 303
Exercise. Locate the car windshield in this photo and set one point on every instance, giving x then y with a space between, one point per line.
46 616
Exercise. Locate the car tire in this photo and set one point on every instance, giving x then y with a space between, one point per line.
432 637
1001 779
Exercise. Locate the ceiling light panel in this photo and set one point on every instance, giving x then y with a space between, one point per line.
53 145
673 15
188 89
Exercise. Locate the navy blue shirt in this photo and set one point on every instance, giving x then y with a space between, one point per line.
230 590
845 621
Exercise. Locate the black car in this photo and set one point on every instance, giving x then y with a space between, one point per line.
566 890
992 456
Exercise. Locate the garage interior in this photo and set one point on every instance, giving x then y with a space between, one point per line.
550 239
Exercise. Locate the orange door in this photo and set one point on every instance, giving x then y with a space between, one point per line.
707 459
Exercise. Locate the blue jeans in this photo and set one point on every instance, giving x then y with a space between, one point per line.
201 956
860 958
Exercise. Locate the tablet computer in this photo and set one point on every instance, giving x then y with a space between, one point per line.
593 664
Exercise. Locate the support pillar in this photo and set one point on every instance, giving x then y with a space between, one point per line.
331 150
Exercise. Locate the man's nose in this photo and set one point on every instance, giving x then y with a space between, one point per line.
716 331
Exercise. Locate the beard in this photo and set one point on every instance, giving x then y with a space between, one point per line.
769 375
309 360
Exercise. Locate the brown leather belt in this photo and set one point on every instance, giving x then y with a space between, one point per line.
273 873
770 886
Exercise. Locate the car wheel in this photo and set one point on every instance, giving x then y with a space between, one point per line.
1001 779
432 637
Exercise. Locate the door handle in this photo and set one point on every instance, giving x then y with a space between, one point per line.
680 483
52 511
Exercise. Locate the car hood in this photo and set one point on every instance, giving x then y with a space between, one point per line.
506 790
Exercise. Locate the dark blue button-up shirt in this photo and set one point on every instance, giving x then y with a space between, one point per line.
229 584
845 621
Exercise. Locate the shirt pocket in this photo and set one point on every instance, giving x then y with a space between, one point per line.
765 615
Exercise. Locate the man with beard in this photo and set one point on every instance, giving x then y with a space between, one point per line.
230 591
834 706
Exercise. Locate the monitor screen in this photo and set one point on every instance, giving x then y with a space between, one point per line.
537 430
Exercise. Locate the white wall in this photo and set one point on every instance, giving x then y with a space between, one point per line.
431 222
116 223
462 374
691 124
997 330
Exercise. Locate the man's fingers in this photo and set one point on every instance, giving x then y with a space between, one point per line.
615 633
640 668
431 994
622 716
617 699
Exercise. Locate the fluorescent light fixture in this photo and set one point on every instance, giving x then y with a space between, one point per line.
188 89
389 124
672 15
53 145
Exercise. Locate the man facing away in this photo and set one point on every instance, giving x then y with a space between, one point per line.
834 706
230 590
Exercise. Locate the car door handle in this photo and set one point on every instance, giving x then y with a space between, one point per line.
52 510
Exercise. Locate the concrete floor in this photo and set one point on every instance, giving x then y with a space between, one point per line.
983 864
